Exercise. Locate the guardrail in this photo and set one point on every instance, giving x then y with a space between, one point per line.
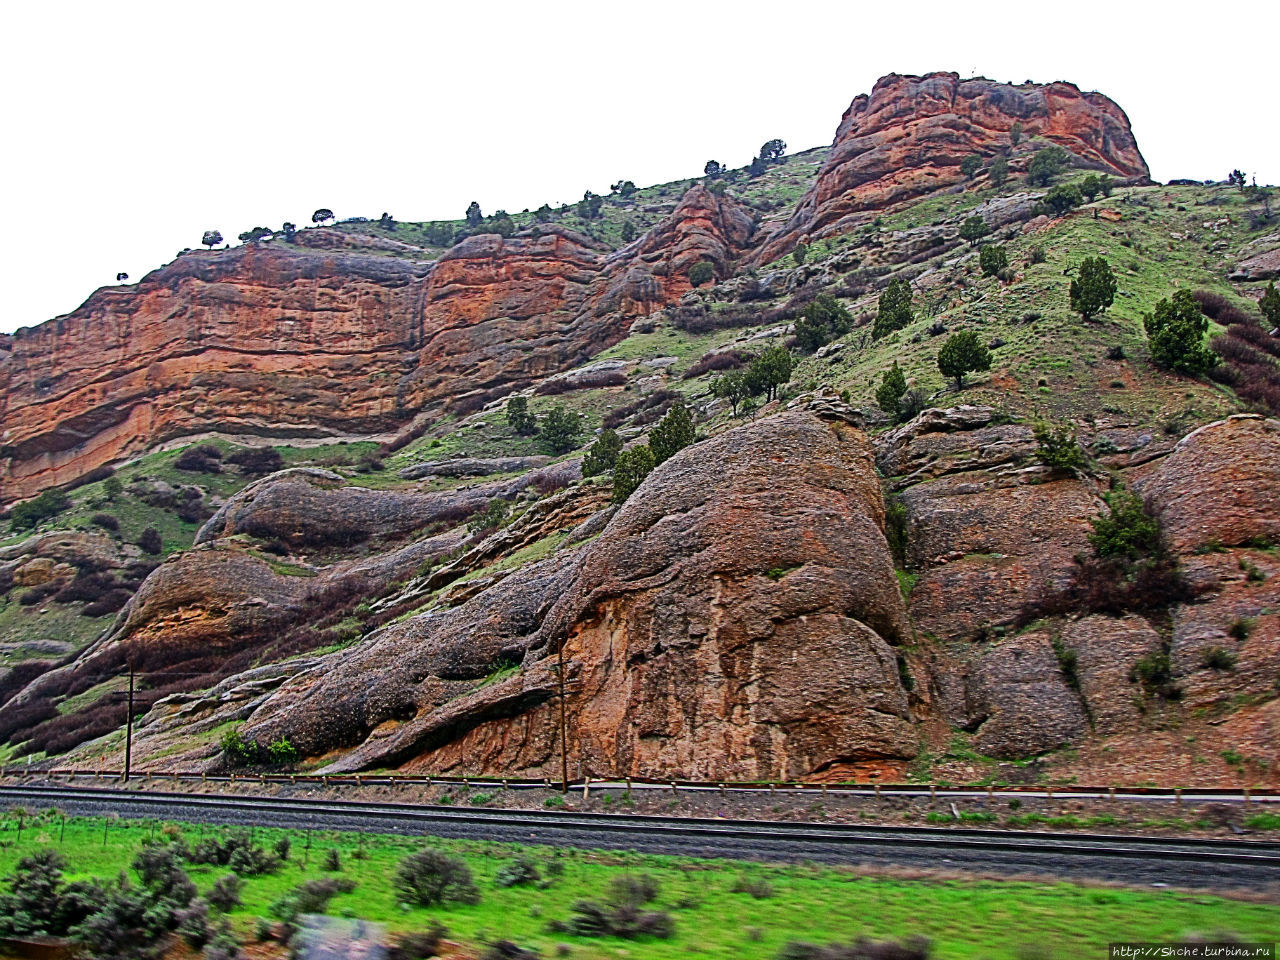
586 785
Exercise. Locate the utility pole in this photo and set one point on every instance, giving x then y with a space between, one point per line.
128 730
564 726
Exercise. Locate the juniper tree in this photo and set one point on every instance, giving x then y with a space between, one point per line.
893 384
895 309
1094 288
963 353
1175 334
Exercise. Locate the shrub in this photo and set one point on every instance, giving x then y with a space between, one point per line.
519 418
106 521
915 948
150 541
518 872
1062 198
1128 530
719 360
992 259
310 897
893 384
1046 164
282 753
998 172
1057 448
1175 334
29 513
257 461
672 434
758 888
591 919
970 165
238 751
894 311
332 860
629 471
198 460
1270 304
703 271
823 320
974 229
493 516
1094 288
603 454
430 877
224 895
1218 658
506 949
963 353
770 370
560 430
419 945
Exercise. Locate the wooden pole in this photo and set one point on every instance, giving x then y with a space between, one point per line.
564 724
128 731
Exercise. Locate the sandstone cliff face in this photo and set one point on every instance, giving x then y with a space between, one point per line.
653 271
744 628
271 340
909 136
258 339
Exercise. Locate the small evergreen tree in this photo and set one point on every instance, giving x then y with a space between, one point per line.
544 214
734 386
823 320
322 215
712 169
800 254
1237 179
894 312
474 216
1175 331
772 151
630 470
1090 186
1270 304
998 172
970 166
963 353
769 371
974 229
603 454
1046 165
211 238
1015 133
560 430
992 259
673 433
1057 449
1063 197
893 384
1094 288
501 224
628 231
519 418
703 271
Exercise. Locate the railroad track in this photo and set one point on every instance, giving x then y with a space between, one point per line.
1157 860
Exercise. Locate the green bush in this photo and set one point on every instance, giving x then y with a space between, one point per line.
630 470
1094 288
429 877
282 753
1218 658
823 320
29 513
894 311
992 259
519 418
703 271
494 515
603 454
517 872
1062 198
970 165
560 431
1175 334
672 434
238 751
963 353
1058 448
893 384
1128 530
974 229
1046 164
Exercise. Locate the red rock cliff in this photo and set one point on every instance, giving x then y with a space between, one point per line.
909 136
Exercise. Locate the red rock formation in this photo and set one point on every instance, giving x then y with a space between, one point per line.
259 339
910 135
653 271
269 340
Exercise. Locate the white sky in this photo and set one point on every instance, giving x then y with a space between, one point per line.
131 127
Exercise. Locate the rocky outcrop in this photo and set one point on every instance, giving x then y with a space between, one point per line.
1220 485
654 270
910 135
706 630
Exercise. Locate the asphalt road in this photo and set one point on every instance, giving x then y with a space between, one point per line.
1135 860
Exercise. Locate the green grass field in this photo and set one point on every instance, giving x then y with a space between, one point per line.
962 917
